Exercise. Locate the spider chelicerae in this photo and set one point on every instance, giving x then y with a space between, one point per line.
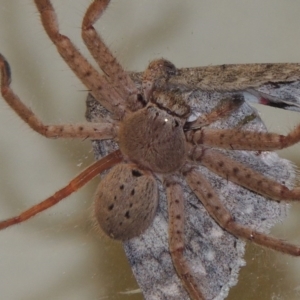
175 153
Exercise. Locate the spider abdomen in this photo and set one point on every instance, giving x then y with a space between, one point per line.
126 201
153 139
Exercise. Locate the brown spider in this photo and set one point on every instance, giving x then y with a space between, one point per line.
135 113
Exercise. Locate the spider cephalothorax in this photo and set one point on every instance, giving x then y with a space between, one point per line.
153 137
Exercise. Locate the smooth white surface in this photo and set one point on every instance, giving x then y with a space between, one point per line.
57 255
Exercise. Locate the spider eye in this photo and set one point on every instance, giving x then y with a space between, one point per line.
136 173
141 99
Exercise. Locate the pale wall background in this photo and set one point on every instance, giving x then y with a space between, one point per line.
57 255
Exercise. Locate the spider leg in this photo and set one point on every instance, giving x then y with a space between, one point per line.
208 197
225 108
176 236
243 175
236 139
80 180
101 53
84 130
99 86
